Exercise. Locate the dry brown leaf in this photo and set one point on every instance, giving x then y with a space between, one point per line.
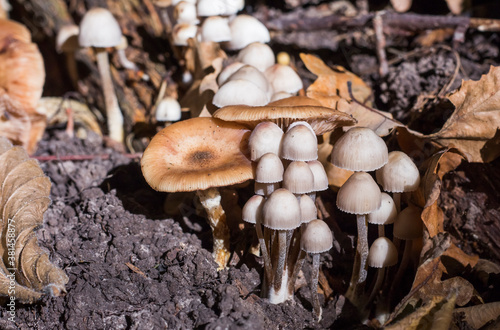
477 316
474 126
331 90
333 81
436 315
24 197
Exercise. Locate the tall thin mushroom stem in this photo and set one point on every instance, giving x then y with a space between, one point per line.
314 286
401 269
359 271
265 252
210 199
113 113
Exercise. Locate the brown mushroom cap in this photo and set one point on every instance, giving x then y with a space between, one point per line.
286 111
14 30
408 224
197 154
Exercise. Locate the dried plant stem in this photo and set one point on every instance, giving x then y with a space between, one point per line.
210 199
114 115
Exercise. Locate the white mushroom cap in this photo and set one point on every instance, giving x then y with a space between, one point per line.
319 173
216 29
298 178
400 174
269 169
382 253
408 224
182 32
360 194
168 109
265 137
258 55
252 210
281 211
99 28
240 92
385 214
280 96
228 71
67 38
360 149
234 6
185 12
284 79
246 29
308 210
299 143
250 73
317 237
211 8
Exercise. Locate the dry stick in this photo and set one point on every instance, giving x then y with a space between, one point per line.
378 26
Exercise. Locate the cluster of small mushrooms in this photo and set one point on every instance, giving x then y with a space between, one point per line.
262 131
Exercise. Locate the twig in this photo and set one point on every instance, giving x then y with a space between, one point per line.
378 27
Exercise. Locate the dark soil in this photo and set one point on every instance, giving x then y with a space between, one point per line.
131 266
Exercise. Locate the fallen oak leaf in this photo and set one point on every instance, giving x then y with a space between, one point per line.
479 315
23 200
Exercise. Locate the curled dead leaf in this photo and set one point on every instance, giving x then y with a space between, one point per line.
477 316
24 197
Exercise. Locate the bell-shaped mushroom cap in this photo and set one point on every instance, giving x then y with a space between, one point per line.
197 154
408 224
185 12
308 210
266 137
234 6
249 73
298 178
319 173
360 149
281 211
386 213
258 55
382 253
317 237
216 29
252 210
168 109
228 71
283 79
14 30
286 111
211 8
360 194
269 169
99 28
182 32
240 92
67 38
299 143
400 174
246 29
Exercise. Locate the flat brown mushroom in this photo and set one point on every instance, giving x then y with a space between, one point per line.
286 111
200 154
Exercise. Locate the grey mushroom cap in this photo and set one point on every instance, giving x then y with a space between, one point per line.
317 237
281 211
400 174
383 253
385 214
360 194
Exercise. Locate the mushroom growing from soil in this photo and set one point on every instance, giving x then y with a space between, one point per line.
200 154
316 239
99 29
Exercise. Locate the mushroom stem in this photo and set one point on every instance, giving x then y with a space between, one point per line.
378 283
280 265
113 112
265 252
72 68
359 271
397 201
210 199
381 231
401 269
314 286
296 269
124 61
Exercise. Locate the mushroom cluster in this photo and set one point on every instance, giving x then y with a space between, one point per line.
361 150
282 210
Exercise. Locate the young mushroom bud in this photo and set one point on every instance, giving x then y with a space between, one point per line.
258 55
185 12
168 110
384 215
268 172
299 143
316 239
216 29
298 178
236 92
383 254
284 79
266 137
246 29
